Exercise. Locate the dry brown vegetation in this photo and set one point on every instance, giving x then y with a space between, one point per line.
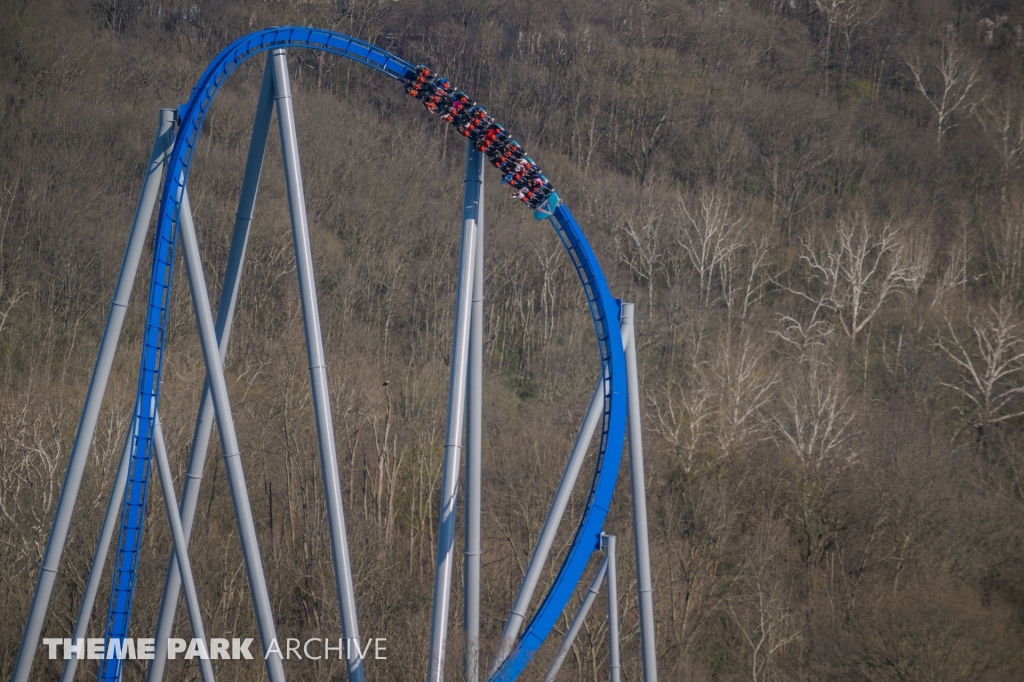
817 205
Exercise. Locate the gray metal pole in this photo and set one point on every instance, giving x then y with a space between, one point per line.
229 442
110 521
225 314
547 533
613 610
180 546
450 477
577 622
99 557
638 491
94 397
317 361
474 424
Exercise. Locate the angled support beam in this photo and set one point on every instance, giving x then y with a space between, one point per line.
180 547
103 545
229 444
547 533
577 622
474 423
453 440
94 397
317 362
605 573
99 557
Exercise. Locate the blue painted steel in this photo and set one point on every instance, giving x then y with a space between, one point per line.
605 311
133 511
603 307
191 117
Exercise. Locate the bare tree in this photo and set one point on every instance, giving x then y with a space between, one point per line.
813 426
7 299
808 337
32 450
684 419
699 582
957 76
744 381
841 16
991 368
651 110
814 422
792 149
746 275
1008 256
722 410
860 271
642 250
709 235
954 274
1004 122
919 254
7 303
388 466
762 610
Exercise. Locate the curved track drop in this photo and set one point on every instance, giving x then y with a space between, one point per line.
145 427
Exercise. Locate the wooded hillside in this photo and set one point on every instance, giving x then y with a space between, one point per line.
817 206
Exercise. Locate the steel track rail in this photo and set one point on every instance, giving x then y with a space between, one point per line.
603 308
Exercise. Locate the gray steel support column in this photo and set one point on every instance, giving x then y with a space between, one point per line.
94 397
225 314
180 546
547 533
450 477
577 622
613 609
99 557
317 362
229 441
638 491
474 424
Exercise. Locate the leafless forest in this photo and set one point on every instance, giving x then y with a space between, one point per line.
817 206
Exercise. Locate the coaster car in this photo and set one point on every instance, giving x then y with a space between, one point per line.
492 139
478 120
487 136
439 91
459 102
419 80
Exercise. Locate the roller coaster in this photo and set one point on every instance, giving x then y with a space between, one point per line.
614 408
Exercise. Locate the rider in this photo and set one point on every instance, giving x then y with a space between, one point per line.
459 101
488 136
422 74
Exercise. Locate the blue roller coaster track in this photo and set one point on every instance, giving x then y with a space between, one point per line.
604 310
